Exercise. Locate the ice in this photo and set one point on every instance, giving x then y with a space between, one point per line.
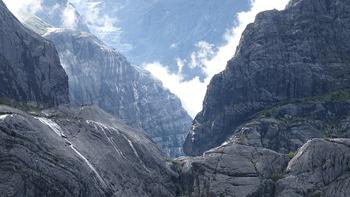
133 148
57 129
88 163
3 117
54 126
110 139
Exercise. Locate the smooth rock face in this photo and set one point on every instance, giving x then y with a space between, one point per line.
320 168
232 170
299 52
77 152
100 75
30 69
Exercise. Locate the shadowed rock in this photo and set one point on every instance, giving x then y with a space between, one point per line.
299 52
30 69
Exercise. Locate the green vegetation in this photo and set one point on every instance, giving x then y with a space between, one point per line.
291 155
336 96
276 176
170 160
19 105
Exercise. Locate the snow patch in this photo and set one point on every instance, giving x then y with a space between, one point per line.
110 139
3 117
135 152
89 164
53 126
57 129
133 148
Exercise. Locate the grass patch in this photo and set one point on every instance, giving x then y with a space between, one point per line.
291 155
335 96
19 105
276 176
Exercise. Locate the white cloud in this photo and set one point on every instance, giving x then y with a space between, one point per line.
100 22
192 92
69 17
23 9
189 92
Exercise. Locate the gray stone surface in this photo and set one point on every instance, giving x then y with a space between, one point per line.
231 170
30 69
287 127
298 52
320 168
77 152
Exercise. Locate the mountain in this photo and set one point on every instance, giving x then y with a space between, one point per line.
100 75
156 30
282 57
77 152
276 121
30 69
65 151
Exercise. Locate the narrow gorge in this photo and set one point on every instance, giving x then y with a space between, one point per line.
77 119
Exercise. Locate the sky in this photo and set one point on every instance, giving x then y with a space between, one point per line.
191 93
23 8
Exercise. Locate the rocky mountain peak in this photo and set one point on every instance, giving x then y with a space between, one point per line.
100 75
299 52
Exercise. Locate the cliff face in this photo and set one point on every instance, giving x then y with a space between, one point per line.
296 53
279 114
77 152
100 75
65 151
30 69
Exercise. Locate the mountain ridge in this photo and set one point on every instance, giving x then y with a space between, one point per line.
275 64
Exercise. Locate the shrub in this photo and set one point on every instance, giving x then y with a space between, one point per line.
291 155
